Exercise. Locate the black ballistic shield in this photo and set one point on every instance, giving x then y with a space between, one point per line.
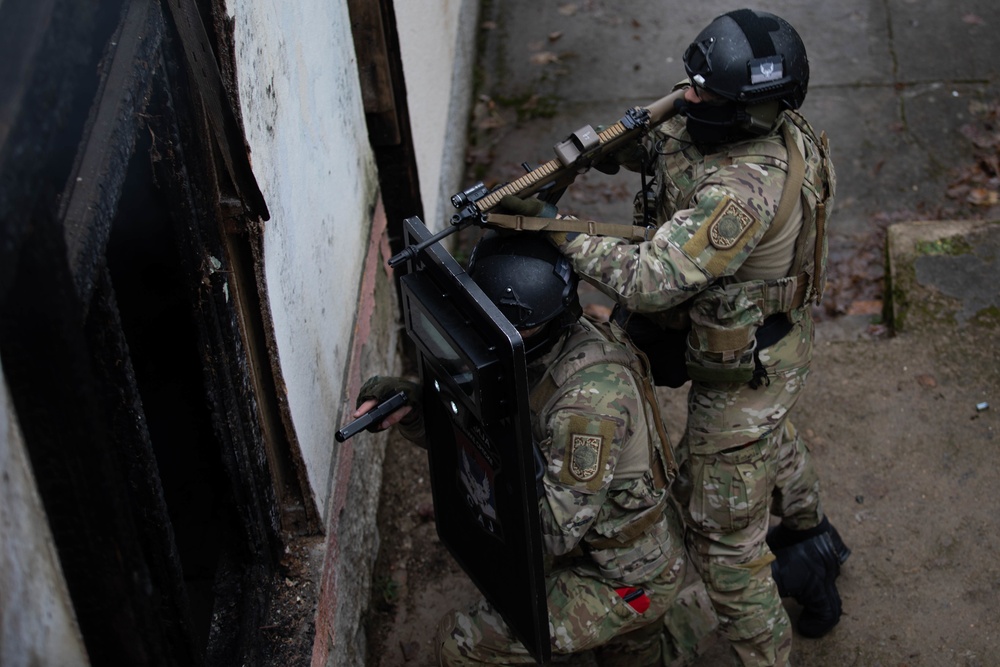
478 429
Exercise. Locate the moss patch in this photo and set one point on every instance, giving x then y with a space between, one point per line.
953 245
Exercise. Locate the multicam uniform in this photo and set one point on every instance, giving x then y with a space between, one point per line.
608 526
720 257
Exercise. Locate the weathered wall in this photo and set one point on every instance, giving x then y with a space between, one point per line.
438 46
302 111
330 293
330 296
37 624
304 121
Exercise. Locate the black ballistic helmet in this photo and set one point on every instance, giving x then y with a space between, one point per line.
525 276
750 57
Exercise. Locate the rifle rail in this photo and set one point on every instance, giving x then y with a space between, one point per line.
530 183
522 186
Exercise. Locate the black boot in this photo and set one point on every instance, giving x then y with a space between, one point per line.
807 564
780 537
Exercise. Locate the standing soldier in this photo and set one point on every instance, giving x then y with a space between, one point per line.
744 188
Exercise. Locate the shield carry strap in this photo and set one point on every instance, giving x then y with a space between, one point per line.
662 477
525 223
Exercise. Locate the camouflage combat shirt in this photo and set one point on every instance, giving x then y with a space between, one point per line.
713 212
602 512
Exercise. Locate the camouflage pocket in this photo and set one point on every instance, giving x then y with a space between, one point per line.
585 612
702 368
728 578
731 490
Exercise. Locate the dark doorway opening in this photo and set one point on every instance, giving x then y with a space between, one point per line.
155 306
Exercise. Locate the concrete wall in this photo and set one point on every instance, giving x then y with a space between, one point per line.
438 40
330 293
37 623
304 121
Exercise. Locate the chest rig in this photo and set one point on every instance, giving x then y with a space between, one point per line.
733 318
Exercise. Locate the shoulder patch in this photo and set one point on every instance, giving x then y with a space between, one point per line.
585 456
587 443
728 223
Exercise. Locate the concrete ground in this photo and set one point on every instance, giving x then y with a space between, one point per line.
903 421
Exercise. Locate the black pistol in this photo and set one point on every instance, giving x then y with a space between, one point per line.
373 417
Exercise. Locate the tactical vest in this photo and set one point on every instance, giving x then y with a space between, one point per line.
727 316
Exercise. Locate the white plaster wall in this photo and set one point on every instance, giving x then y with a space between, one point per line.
37 623
437 41
304 121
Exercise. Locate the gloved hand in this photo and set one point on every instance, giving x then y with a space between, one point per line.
531 207
631 156
379 388
535 208
559 239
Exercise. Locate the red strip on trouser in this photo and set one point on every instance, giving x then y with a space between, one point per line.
634 597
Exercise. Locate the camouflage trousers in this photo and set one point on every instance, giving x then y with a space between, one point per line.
741 459
586 615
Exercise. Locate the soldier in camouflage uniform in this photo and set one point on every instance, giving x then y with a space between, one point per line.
744 190
613 539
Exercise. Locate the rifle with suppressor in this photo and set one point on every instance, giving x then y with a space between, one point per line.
574 155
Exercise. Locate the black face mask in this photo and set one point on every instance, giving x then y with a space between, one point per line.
542 342
710 124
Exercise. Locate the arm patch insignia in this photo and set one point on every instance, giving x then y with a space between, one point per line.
588 442
729 222
585 456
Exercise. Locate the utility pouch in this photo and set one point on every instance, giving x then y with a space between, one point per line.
722 340
701 368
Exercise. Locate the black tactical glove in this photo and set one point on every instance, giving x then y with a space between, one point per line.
380 388
807 564
535 208
633 155
531 207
